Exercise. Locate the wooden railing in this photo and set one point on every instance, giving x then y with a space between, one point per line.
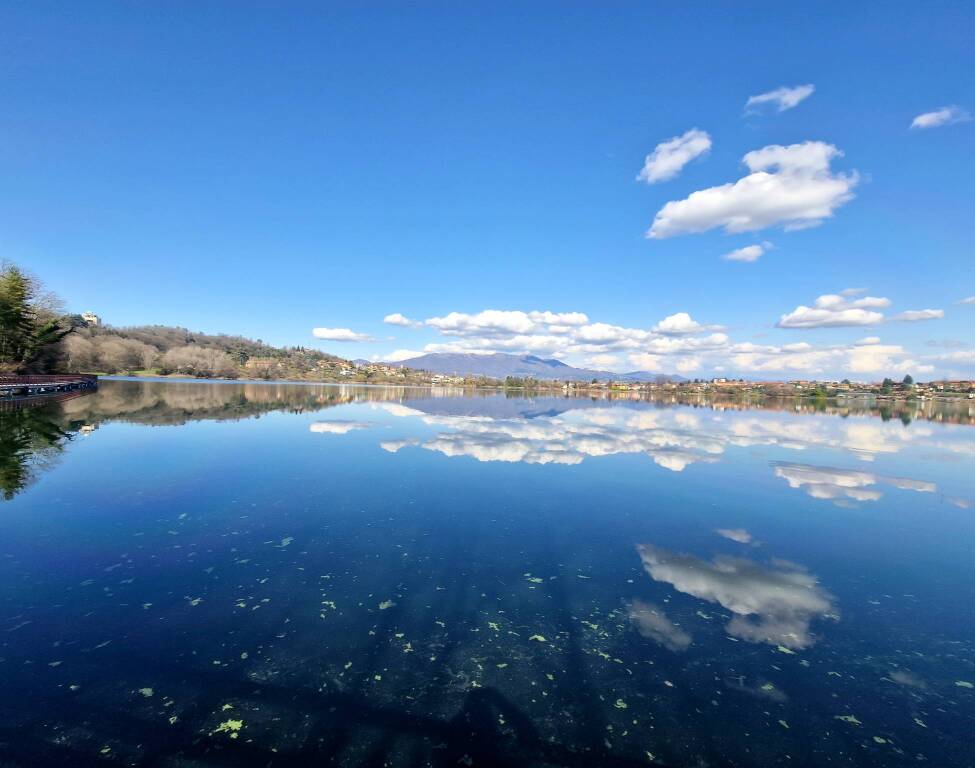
29 386
63 378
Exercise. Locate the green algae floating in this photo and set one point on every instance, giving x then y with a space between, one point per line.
620 704
852 719
230 727
386 604
147 692
964 684
538 638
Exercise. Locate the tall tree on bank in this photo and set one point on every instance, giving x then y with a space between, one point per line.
30 327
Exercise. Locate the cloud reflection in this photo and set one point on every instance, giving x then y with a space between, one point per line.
337 427
651 622
841 485
773 603
735 534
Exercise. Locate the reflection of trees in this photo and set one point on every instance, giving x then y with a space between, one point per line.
164 403
30 440
957 411
33 432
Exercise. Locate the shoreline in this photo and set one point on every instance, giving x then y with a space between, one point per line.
560 389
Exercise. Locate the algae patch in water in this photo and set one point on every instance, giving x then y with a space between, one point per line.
231 727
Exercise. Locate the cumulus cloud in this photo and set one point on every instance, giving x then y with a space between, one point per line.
669 157
749 252
679 324
790 186
883 358
781 98
678 343
869 356
913 315
774 604
401 320
570 336
942 116
834 310
603 361
399 355
498 322
340 334
651 622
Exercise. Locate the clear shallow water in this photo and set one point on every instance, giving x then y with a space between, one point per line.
223 574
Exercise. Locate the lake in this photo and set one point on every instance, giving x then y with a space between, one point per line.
215 574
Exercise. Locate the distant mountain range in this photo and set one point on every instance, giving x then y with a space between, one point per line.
500 365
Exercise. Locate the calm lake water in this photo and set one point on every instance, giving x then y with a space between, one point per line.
198 574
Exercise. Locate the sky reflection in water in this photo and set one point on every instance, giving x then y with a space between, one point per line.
278 574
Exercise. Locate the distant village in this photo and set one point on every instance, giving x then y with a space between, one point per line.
906 389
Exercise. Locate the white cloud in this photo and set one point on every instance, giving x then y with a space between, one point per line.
603 361
782 98
688 364
868 357
942 116
680 324
401 320
670 157
340 334
681 344
498 322
399 355
968 300
913 315
883 359
843 310
749 252
647 362
791 186
833 311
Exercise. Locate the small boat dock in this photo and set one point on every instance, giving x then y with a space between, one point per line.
31 386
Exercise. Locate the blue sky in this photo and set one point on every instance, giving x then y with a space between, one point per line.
266 170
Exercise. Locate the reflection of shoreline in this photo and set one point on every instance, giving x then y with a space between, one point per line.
954 411
541 430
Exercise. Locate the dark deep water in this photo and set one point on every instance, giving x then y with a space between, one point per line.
223 574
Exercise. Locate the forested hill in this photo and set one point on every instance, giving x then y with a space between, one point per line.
169 350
